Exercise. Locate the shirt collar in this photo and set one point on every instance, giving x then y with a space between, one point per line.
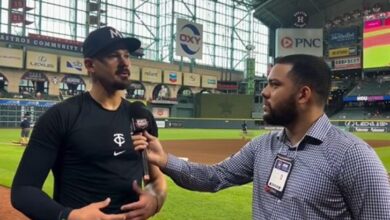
316 133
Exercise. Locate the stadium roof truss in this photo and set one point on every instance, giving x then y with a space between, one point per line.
228 26
280 13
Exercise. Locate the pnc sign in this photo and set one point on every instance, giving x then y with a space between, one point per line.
299 41
287 42
189 39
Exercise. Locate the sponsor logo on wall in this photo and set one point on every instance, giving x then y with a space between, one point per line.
41 61
209 81
173 77
160 124
347 63
151 75
212 81
367 126
72 65
378 130
343 36
342 52
286 42
11 57
160 112
191 79
367 123
175 124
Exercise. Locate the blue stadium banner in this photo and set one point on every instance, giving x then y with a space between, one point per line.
343 36
371 98
15 102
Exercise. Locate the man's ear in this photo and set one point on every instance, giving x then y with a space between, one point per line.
305 94
88 63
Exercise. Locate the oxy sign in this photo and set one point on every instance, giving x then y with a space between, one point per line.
299 41
189 39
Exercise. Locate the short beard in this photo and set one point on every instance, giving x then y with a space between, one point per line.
112 85
282 115
121 85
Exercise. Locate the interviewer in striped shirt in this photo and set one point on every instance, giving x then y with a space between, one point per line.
309 170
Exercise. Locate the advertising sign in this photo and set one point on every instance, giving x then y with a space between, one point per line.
11 57
347 63
189 39
160 123
367 126
343 36
299 41
41 61
191 79
160 112
172 77
73 65
151 75
342 52
209 81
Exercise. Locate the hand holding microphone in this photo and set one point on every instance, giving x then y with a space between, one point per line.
140 125
156 154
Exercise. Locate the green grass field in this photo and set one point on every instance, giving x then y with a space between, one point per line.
233 203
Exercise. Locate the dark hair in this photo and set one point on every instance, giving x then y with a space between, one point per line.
311 71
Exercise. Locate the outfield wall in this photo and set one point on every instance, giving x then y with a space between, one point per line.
12 111
207 123
348 125
364 125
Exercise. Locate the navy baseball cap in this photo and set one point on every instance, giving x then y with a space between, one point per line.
103 39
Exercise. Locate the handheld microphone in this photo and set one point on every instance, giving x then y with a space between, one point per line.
139 124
